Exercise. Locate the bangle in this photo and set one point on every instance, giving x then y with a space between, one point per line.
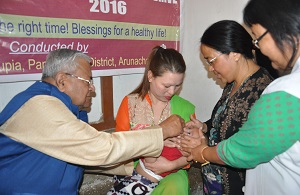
205 161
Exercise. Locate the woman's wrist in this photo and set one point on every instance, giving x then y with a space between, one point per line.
205 162
202 160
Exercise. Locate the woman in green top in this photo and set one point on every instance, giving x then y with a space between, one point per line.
149 104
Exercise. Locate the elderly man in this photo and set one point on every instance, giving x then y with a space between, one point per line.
45 143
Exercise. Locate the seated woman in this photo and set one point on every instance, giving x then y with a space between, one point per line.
149 104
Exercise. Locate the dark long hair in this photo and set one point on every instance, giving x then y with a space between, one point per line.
228 36
280 18
160 61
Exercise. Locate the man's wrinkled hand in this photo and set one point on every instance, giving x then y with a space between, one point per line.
172 126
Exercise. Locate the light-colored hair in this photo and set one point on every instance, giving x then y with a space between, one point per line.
160 60
65 60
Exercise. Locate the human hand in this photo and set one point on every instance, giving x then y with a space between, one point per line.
161 165
195 123
184 153
196 153
192 141
193 146
150 159
193 132
172 126
171 142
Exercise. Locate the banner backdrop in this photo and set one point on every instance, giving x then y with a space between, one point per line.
117 34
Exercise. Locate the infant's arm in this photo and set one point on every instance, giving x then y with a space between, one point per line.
150 159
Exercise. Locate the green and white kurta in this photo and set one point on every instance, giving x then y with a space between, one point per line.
268 143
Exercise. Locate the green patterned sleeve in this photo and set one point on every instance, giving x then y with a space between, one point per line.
272 127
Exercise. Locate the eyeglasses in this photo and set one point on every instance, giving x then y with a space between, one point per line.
209 62
255 41
90 82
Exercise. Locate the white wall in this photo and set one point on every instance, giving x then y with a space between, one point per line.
199 86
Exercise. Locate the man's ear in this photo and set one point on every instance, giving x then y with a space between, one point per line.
60 80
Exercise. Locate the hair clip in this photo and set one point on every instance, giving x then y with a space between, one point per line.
163 46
